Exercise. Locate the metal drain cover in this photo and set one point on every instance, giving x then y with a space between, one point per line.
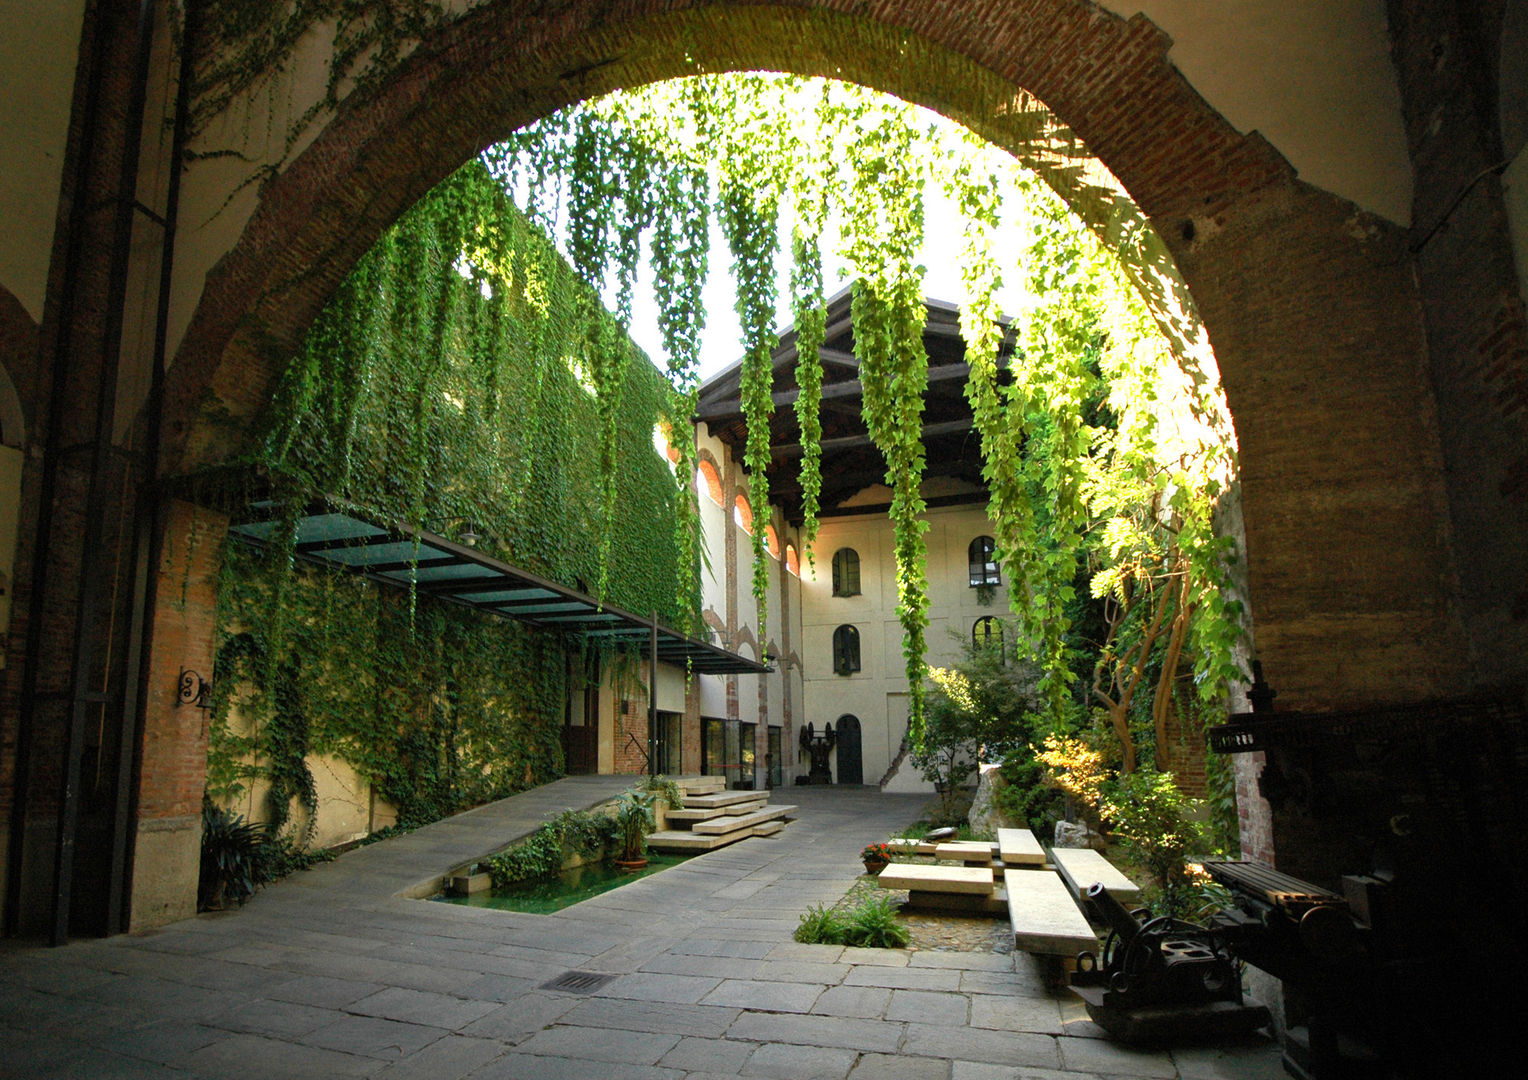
577 982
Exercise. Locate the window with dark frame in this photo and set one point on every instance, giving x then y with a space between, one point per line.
846 572
846 650
984 569
987 633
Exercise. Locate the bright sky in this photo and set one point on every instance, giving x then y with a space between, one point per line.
722 343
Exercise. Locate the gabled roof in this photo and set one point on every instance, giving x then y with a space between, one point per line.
850 461
340 536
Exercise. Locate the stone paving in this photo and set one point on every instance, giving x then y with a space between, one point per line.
335 972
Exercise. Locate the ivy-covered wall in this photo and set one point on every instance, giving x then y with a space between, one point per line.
445 384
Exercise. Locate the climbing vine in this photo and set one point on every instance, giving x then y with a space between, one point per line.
449 362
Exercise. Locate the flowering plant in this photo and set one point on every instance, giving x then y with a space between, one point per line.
876 851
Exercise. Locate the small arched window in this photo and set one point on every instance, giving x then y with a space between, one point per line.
983 559
742 513
772 540
846 651
709 481
987 633
792 560
846 576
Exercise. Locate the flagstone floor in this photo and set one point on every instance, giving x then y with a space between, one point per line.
335 972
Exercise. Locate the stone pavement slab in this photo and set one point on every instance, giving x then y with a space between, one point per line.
800 1063
338 973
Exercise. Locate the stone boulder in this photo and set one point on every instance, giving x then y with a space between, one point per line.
985 818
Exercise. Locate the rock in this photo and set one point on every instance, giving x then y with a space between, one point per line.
1077 834
985 818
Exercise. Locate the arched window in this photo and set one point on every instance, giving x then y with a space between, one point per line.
846 654
742 513
987 633
792 560
846 572
984 569
772 540
708 480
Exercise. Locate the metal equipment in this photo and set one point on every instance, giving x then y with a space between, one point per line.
1161 980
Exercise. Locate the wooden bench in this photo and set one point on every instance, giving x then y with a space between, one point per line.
1045 918
1018 847
1082 867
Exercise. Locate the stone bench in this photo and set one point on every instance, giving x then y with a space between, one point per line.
919 877
1018 847
1045 919
1082 867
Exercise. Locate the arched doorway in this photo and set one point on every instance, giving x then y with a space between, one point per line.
851 768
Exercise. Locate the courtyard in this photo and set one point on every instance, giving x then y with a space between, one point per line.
337 972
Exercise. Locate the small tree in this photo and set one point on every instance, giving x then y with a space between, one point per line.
979 710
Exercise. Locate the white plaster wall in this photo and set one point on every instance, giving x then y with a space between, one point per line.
877 693
1314 77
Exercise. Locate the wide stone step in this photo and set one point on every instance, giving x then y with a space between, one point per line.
675 840
1081 867
1045 918
731 823
948 879
701 785
722 798
1019 847
705 813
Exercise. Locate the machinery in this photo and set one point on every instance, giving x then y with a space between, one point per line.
1161 980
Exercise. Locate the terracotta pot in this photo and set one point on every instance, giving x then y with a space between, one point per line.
631 866
875 866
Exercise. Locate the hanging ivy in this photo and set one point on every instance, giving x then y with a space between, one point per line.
397 401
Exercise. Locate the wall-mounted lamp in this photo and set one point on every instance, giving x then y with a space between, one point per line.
193 690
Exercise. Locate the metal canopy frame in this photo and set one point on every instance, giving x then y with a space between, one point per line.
339 536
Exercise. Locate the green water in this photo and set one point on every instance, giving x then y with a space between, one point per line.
570 887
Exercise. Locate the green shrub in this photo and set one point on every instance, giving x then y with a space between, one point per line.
873 925
820 926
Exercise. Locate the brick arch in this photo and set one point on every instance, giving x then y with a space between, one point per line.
1297 289
711 474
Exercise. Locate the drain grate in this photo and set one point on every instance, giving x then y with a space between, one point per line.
577 982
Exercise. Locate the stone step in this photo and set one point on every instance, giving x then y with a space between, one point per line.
731 823
910 845
1082 867
1045 918
701 785
947 879
722 798
677 840
1019 847
705 813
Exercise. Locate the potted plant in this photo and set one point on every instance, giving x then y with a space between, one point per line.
634 820
876 857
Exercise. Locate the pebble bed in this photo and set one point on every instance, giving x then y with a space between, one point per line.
937 931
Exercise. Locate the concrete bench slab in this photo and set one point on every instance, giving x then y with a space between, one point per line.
1045 918
910 845
769 828
1019 846
1081 867
970 852
962 903
732 823
949 879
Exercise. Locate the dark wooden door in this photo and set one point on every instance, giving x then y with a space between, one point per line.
850 768
580 749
